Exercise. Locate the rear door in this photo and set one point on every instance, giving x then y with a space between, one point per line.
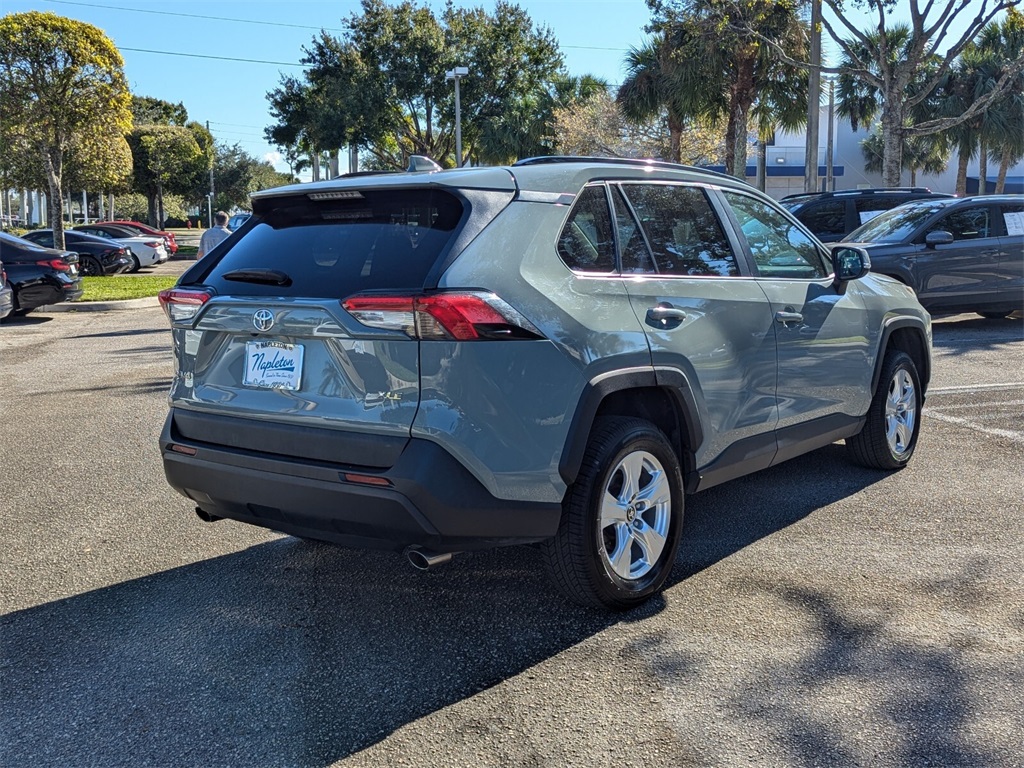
1011 248
274 343
702 316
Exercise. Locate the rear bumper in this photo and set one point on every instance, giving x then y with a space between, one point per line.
432 500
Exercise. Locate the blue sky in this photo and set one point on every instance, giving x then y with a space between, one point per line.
594 36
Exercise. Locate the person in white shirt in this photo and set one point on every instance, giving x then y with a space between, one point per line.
214 236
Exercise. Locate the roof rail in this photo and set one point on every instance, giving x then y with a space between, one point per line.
636 162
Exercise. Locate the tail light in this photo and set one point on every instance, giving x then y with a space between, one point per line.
182 303
153 243
59 264
462 316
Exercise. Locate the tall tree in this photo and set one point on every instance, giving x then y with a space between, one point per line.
724 66
382 85
59 79
167 158
147 110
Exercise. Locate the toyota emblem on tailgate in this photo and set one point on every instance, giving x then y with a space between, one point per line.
263 319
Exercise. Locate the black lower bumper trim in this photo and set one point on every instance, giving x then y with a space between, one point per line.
434 500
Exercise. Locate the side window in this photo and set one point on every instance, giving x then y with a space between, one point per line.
965 224
636 257
779 248
868 207
1013 219
684 233
586 243
826 217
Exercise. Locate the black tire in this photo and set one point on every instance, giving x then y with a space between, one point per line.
889 436
89 267
136 264
997 315
578 557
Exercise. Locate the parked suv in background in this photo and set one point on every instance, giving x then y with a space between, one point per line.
833 215
958 254
556 351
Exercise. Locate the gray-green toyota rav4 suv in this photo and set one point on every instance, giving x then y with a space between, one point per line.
558 351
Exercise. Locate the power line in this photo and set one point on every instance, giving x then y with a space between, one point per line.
193 16
234 19
218 58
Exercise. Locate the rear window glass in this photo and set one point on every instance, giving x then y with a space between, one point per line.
381 240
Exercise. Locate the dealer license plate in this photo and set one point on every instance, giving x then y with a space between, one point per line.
272 365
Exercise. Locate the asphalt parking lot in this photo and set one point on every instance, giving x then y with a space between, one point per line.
819 614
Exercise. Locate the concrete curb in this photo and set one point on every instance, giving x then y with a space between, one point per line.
101 306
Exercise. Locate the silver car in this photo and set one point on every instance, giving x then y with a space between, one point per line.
558 351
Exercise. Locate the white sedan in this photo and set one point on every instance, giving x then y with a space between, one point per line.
146 250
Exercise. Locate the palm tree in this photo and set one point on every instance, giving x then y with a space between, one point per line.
725 69
920 153
1005 117
653 86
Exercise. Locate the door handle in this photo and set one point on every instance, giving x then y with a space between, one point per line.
787 317
665 316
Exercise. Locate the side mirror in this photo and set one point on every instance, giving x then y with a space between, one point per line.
938 237
851 263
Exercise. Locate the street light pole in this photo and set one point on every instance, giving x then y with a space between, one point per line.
457 74
830 181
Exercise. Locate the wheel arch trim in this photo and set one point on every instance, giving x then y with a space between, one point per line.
671 380
891 326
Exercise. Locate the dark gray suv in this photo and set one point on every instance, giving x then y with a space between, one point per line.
557 351
959 255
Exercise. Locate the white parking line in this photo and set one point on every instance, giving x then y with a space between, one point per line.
1015 436
975 388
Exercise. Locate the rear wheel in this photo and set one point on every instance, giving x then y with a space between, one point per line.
89 267
889 435
997 315
622 519
136 264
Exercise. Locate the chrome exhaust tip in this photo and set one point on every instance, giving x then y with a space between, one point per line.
425 559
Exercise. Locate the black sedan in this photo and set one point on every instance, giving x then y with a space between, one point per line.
39 276
97 256
958 254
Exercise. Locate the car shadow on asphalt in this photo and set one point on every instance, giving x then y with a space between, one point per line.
286 653
952 333
729 517
25 320
131 332
296 653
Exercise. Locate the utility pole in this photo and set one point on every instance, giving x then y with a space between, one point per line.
457 74
813 102
209 200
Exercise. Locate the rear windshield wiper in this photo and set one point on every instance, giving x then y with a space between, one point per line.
265 276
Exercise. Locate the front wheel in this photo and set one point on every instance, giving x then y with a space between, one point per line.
889 435
621 520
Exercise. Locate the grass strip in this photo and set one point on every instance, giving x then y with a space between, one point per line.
120 287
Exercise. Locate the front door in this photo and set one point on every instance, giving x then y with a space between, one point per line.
823 335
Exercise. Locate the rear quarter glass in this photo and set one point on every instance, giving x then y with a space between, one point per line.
384 240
